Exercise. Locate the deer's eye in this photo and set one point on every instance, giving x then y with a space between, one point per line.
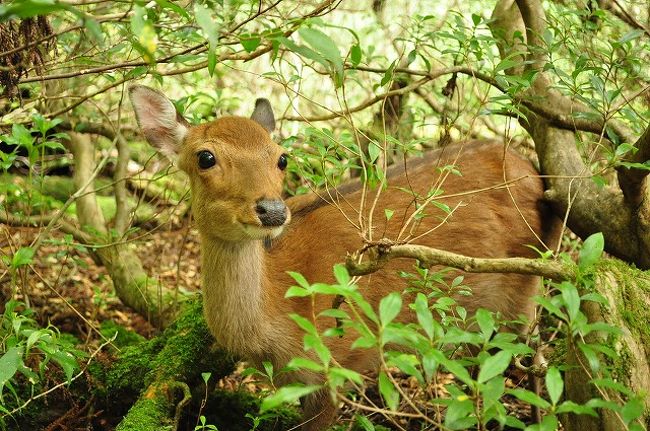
282 162
206 159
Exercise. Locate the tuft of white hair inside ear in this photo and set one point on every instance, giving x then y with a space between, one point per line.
163 127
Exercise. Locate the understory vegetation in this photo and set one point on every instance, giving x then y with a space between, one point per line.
100 306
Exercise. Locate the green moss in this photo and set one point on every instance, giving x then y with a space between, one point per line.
150 413
180 354
124 337
634 291
630 291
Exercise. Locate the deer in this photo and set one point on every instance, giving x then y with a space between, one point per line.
251 236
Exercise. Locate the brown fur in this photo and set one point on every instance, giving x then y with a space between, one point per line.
244 284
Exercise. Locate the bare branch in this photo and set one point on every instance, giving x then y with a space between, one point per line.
62 223
122 209
551 112
431 256
363 105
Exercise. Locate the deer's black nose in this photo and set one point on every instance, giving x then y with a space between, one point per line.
271 212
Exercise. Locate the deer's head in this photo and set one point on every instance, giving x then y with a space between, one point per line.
236 171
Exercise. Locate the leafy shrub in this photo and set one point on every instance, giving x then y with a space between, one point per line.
27 353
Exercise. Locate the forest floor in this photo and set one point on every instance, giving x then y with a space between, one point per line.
68 290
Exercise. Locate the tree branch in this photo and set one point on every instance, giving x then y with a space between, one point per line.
431 256
535 22
61 223
363 105
632 180
586 208
122 209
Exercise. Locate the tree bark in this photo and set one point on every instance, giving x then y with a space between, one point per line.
627 292
132 284
624 220
158 372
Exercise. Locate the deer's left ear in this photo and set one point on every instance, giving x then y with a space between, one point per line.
263 114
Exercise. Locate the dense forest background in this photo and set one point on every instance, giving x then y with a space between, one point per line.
100 325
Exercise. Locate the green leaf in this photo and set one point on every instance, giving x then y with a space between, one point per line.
388 391
299 278
325 46
425 318
591 251
407 364
571 299
529 397
209 28
22 257
250 42
30 8
550 306
355 54
389 308
305 324
630 35
165 4
295 291
67 362
341 274
554 384
454 367
9 363
571 407
364 423
459 414
632 410
506 64
485 322
374 151
388 75
549 423
287 394
494 366
146 38
304 363
429 365
388 213
345 374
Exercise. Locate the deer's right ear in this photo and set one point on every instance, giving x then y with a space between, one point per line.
158 119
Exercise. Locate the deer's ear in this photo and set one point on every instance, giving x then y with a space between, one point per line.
263 114
158 119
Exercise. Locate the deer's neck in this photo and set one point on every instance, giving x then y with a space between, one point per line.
236 307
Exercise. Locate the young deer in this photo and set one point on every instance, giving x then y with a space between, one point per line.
236 175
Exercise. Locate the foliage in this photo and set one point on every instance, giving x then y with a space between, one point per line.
476 350
28 353
325 62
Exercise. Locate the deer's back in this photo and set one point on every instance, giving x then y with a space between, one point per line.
496 211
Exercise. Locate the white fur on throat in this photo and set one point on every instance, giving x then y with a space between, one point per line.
233 295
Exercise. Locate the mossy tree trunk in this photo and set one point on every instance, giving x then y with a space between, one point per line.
627 294
133 285
156 375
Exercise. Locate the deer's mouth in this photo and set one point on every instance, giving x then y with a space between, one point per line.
261 232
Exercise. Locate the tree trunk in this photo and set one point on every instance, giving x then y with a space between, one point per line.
627 293
159 372
132 284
